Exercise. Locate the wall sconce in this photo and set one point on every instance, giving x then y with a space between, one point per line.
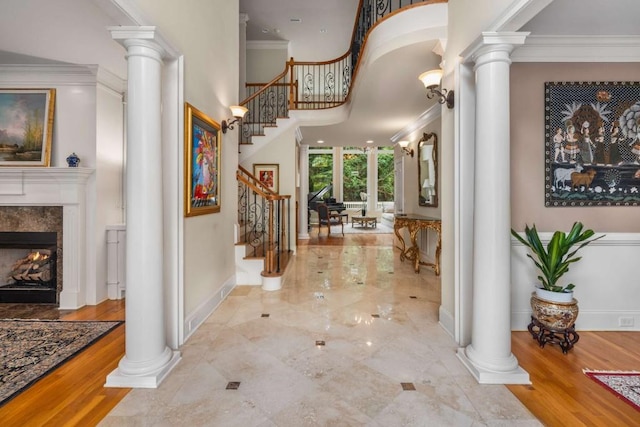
431 81
238 112
404 145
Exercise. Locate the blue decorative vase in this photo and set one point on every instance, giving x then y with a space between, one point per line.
73 160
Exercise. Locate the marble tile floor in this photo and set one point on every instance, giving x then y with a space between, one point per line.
344 343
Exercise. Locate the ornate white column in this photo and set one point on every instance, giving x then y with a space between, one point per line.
303 191
489 356
147 358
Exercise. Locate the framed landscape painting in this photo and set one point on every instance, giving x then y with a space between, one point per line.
26 126
592 144
268 175
202 163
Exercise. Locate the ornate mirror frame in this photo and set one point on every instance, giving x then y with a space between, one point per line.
428 170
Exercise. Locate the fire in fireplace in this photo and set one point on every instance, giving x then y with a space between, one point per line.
28 267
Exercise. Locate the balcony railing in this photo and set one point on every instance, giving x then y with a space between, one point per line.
316 85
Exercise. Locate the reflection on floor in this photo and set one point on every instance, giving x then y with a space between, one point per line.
352 339
31 311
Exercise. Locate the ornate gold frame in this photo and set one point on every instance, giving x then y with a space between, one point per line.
39 121
202 162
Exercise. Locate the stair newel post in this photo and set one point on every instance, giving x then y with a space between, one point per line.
291 79
269 259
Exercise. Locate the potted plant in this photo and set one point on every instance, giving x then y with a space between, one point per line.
554 310
553 261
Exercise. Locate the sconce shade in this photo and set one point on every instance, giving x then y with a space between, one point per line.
431 78
403 145
238 111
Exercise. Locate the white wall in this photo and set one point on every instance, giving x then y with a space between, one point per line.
72 31
605 283
467 19
265 60
109 176
281 151
208 39
88 121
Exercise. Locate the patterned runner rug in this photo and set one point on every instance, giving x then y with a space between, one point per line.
624 384
30 349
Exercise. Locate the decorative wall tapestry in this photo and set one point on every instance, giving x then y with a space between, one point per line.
592 144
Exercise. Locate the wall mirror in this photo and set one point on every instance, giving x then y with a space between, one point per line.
428 170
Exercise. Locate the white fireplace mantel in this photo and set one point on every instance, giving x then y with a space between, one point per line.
56 186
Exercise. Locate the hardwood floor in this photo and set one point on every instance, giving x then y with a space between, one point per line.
73 395
561 394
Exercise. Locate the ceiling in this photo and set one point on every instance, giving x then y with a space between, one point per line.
390 96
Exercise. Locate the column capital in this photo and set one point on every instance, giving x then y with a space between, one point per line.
492 41
244 18
145 36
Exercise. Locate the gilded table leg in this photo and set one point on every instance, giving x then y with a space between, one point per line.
413 232
397 226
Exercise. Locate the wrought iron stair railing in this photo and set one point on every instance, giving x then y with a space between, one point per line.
265 223
316 85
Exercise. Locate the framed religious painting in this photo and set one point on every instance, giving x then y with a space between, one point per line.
592 144
26 126
202 163
268 175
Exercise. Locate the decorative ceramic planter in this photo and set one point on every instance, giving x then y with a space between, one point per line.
557 316
562 297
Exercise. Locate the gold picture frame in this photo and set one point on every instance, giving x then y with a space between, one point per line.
26 126
202 141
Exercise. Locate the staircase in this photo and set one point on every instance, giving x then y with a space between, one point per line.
263 233
296 96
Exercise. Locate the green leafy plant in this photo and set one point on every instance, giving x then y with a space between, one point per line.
554 260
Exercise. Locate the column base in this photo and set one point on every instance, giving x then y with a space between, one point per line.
485 376
147 380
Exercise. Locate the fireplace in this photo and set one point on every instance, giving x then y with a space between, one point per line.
55 200
28 267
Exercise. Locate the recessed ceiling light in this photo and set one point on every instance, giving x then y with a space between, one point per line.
370 141
265 30
320 141
296 20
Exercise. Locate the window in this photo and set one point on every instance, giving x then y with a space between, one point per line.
320 169
385 174
354 174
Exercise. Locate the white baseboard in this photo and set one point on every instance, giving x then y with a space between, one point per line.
445 318
195 319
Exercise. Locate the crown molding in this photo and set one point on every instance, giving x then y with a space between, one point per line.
578 49
431 114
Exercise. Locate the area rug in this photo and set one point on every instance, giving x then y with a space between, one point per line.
624 384
30 349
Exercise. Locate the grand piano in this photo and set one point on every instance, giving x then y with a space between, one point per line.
314 199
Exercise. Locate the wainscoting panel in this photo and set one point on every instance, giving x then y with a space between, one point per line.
606 279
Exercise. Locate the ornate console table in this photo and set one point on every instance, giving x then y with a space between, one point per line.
415 223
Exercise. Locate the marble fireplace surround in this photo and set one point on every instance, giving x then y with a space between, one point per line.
66 187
